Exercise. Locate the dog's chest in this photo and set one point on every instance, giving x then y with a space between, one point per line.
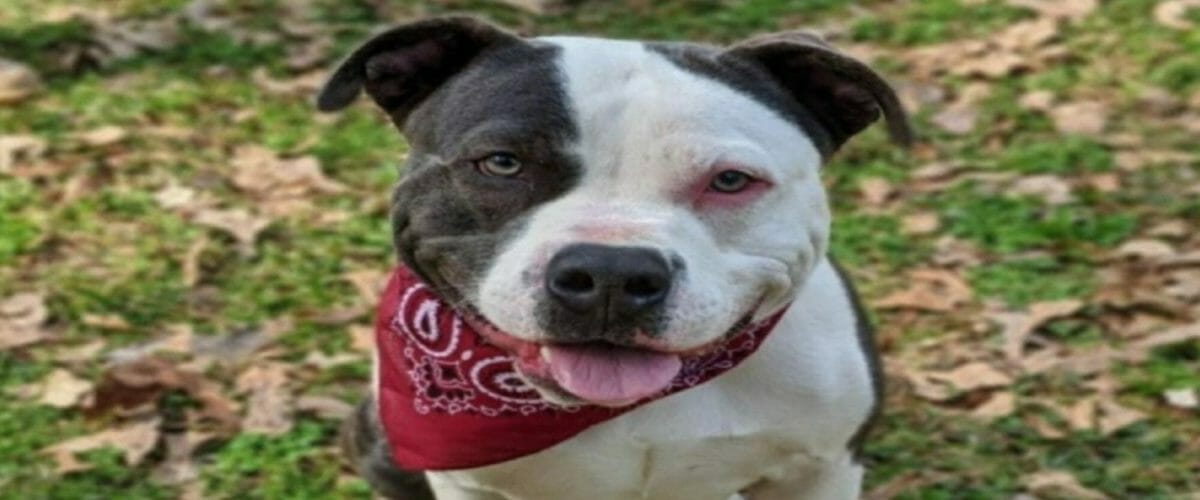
801 397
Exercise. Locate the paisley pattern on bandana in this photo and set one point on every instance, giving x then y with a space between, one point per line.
450 400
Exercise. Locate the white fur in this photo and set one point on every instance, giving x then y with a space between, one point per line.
778 425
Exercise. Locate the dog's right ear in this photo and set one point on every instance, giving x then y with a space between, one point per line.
401 67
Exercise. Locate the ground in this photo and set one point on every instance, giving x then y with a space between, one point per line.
188 251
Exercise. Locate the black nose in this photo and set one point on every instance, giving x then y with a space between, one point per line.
608 281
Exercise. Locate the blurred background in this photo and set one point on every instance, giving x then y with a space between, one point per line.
189 253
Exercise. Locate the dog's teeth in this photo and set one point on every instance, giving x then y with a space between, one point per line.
545 352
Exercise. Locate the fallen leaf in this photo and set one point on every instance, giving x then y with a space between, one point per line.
1182 398
1080 117
239 223
103 136
1104 183
1037 100
362 338
934 290
1145 249
21 319
174 197
268 403
322 361
1173 13
1060 484
875 191
1050 188
369 283
128 386
1081 416
1017 327
105 321
305 84
1024 37
920 223
1100 358
1141 158
973 376
324 407
956 119
178 467
1114 416
1172 229
189 266
531 6
17 82
80 353
135 440
62 389
1000 404
281 186
19 148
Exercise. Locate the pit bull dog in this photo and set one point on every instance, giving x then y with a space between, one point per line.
613 278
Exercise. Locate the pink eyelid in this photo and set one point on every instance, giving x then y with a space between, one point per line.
703 197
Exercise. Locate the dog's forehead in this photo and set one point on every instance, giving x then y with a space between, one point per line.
666 107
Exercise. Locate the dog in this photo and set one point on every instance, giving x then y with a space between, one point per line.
605 212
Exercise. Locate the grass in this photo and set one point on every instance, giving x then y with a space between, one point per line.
93 238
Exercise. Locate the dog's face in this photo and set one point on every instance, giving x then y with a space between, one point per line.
604 208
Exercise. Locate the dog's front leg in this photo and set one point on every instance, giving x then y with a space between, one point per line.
814 480
446 489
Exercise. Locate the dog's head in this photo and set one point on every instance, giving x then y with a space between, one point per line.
602 208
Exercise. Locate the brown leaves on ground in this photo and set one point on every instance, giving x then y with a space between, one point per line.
268 401
1060 484
17 82
22 320
135 439
934 290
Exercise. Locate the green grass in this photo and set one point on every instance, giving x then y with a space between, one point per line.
111 249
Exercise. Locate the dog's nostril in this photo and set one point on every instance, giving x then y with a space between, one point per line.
574 281
644 286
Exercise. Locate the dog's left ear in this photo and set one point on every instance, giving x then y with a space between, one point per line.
843 94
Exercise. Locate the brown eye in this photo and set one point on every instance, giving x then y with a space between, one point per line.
730 181
500 165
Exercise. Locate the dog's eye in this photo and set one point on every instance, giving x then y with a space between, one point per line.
499 165
730 181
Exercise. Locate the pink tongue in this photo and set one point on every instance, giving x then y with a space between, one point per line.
611 376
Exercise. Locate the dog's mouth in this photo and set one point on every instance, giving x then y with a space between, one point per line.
595 372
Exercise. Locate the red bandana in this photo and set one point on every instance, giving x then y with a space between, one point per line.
449 400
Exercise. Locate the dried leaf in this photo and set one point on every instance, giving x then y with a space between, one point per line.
105 321
239 223
174 197
1145 249
1037 100
1000 404
17 82
324 407
1060 484
1050 188
369 283
135 440
19 148
103 136
956 119
875 191
1080 117
973 376
269 405
1081 416
920 223
1115 417
1017 327
935 290
62 389
1172 229
281 186
1173 13
131 385
1182 398
21 319
362 338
